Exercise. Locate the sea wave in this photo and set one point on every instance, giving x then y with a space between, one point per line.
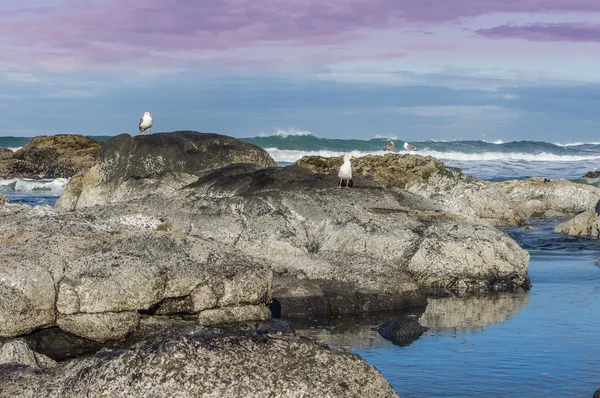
287 133
290 156
385 137
576 144
55 186
15 149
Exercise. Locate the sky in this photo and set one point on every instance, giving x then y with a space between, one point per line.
414 69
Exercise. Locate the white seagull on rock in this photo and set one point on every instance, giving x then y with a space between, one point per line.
145 122
346 171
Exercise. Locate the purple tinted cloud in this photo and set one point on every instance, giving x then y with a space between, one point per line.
113 30
574 32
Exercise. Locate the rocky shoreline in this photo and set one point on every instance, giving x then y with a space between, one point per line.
181 233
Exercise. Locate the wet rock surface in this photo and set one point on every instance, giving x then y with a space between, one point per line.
401 331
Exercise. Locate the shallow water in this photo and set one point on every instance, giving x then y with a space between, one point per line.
543 343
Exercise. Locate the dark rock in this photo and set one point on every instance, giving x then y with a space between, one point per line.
401 331
57 156
130 167
592 174
597 393
3 199
295 297
60 345
597 208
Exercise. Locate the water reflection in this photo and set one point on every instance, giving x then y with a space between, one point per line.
471 314
451 314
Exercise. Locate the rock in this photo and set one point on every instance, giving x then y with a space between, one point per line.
94 277
6 153
3 199
584 224
57 156
540 197
131 167
592 174
194 362
597 393
597 208
501 204
383 247
17 352
401 331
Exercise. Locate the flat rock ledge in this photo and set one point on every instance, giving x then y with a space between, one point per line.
196 361
505 203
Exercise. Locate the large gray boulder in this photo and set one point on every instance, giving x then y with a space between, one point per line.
94 277
131 167
195 361
379 244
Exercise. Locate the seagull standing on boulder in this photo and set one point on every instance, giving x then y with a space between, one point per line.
145 122
346 171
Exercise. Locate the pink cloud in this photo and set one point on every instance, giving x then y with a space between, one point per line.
573 32
112 31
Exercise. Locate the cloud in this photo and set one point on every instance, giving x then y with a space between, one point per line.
183 31
572 32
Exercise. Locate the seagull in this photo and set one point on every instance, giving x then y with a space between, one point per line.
409 147
346 171
145 122
389 147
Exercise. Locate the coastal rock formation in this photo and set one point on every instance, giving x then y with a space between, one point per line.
3 199
95 277
6 153
584 224
131 167
592 174
401 331
369 241
56 156
193 361
502 204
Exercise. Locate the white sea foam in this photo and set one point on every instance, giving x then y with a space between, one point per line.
290 156
385 137
286 133
55 186
577 143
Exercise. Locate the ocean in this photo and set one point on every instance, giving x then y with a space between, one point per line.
531 344
493 161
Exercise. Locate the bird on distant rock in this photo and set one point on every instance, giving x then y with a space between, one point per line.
146 122
346 171
409 147
389 147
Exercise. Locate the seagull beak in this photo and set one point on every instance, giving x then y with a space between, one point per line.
352 158
150 114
